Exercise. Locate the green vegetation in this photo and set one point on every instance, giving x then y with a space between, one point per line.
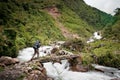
112 32
106 51
103 52
1 69
110 59
89 14
24 21
76 25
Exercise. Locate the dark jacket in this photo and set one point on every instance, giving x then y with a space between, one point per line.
36 45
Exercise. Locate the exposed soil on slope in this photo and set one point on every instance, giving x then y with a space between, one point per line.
53 11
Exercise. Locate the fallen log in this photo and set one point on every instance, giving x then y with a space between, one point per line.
56 58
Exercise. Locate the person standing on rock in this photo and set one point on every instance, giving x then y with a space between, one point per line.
36 49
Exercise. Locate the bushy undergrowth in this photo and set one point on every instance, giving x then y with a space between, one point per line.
110 59
103 52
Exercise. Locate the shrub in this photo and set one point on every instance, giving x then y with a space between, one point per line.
110 59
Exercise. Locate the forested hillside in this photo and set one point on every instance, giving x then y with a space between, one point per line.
107 50
112 32
24 21
91 15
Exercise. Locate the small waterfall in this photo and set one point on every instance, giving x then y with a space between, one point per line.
61 71
96 35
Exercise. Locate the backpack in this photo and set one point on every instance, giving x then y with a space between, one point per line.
36 45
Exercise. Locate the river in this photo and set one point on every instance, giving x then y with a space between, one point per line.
61 71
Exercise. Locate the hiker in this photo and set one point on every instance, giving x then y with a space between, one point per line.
36 49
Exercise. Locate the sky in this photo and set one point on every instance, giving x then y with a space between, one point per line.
107 6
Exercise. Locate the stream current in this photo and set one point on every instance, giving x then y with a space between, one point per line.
61 71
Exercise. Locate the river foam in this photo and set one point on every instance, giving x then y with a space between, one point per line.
61 72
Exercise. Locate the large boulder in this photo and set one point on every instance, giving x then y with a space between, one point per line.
36 75
31 70
116 79
79 68
76 65
74 45
5 60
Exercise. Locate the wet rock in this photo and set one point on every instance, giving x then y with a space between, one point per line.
64 52
108 70
75 61
74 45
44 71
55 50
105 69
79 68
50 78
32 77
4 60
2 65
35 71
32 70
76 65
10 74
116 79
36 75
16 60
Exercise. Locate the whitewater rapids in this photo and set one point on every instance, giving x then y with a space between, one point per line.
61 71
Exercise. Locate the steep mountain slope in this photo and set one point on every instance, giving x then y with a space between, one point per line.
55 13
107 50
91 15
24 21
113 32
